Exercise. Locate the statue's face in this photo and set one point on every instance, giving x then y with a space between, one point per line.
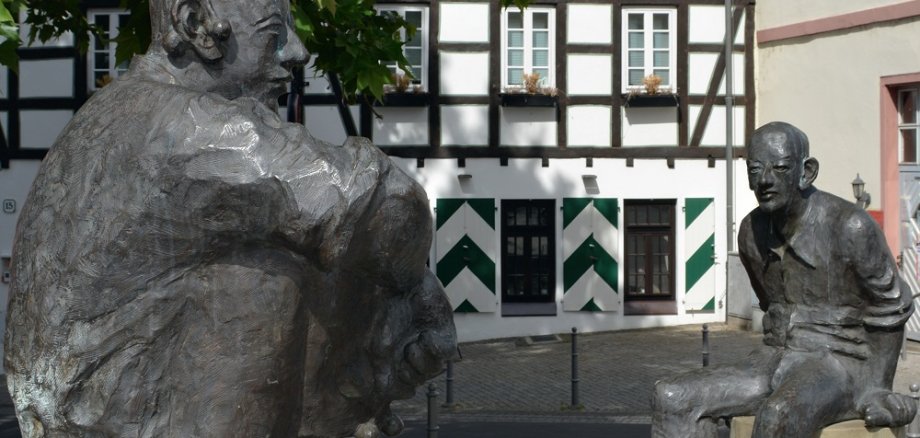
260 52
774 171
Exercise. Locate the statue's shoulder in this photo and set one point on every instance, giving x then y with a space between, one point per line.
844 217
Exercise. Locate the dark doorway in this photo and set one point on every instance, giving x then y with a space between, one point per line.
528 257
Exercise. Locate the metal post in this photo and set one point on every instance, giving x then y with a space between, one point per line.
705 345
574 367
433 411
449 383
913 429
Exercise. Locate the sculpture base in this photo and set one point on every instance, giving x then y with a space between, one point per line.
742 427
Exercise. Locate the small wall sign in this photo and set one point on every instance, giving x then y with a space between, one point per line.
9 206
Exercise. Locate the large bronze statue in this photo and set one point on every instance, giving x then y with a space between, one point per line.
190 265
835 312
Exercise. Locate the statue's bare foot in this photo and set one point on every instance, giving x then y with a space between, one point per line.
888 409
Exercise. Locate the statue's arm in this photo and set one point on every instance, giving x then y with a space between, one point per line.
888 299
750 257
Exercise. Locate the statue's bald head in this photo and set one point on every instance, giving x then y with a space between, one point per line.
781 133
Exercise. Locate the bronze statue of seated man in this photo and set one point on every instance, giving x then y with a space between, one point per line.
834 305
190 265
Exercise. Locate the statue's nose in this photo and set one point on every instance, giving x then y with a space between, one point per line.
294 54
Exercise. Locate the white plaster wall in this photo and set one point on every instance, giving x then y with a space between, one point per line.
65 40
464 73
324 122
702 66
522 126
714 134
15 183
649 126
526 179
590 24
707 24
39 128
588 125
589 75
464 22
775 13
401 126
47 78
315 83
4 89
464 125
828 86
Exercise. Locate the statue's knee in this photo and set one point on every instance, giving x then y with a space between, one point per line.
772 415
669 396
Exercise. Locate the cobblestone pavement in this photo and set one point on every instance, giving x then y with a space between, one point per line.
617 370
510 382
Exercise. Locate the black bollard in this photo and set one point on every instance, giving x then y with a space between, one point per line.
574 367
913 428
705 345
449 381
433 411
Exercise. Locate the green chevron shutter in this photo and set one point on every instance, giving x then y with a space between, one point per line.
465 252
699 255
590 245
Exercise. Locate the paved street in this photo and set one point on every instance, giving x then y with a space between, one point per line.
508 389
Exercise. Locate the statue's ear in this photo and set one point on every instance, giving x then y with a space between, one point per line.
195 26
809 174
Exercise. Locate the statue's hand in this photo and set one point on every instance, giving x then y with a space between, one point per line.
888 409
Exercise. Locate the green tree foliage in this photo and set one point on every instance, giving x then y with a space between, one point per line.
345 37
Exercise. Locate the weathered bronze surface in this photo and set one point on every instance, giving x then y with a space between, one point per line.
190 265
835 312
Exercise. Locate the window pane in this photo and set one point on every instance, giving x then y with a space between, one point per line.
909 145
635 77
541 39
636 58
415 41
515 57
414 18
516 38
660 40
665 76
417 74
102 20
414 56
636 22
102 60
908 106
515 20
661 58
122 19
515 76
660 21
519 249
540 20
541 58
636 40
544 73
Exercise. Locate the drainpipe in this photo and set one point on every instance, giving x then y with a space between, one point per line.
729 128
729 138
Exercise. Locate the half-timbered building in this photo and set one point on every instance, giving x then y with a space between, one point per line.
591 203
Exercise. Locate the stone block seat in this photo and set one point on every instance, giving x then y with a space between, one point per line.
742 427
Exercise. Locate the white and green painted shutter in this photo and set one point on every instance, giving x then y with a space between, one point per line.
590 245
465 253
699 255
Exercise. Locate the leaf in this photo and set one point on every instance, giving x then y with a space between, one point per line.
9 56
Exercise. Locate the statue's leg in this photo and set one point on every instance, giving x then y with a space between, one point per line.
812 390
687 405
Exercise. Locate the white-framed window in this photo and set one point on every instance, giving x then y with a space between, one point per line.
528 45
649 47
101 57
909 124
416 48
